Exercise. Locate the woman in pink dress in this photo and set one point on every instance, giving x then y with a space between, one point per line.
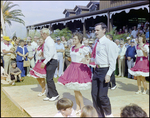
141 67
37 71
78 75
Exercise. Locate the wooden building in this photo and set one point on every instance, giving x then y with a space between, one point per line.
118 13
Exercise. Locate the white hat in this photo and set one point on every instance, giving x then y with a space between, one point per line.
128 38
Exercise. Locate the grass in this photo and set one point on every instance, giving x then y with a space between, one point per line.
8 108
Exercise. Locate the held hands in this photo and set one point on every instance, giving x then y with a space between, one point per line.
107 79
129 58
42 65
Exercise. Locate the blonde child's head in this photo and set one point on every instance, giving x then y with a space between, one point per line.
88 111
65 105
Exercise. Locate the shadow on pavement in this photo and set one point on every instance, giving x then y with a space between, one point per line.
129 87
37 89
72 98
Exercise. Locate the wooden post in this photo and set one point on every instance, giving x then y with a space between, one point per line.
27 32
111 24
108 21
84 29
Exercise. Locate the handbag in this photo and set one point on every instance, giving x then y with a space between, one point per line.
26 63
69 58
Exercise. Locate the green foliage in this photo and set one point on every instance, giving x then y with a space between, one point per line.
118 36
12 15
34 32
64 32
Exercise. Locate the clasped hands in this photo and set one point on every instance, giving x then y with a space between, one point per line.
87 60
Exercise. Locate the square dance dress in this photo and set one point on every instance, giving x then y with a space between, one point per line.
37 71
78 75
141 67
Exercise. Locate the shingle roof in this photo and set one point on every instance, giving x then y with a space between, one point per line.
69 10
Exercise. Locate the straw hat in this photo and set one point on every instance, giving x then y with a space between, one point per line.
6 38
91 41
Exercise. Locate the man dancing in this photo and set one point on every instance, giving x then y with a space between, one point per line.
104 54
51 64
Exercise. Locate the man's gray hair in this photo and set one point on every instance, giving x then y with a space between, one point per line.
46 31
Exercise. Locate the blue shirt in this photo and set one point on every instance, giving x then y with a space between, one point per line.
147 34
60 46
131 52
19 49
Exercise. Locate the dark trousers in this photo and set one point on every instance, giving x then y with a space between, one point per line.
50 70
112 82
99 92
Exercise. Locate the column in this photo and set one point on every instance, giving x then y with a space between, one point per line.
27 31
51 28
84 29
108 21
111 23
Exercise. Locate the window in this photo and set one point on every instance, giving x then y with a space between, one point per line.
93 8
78 11
67 14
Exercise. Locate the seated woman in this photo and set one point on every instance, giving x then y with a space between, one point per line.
22 53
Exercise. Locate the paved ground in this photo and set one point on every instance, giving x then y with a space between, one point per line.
25 97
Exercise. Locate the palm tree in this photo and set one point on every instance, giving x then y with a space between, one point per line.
9 16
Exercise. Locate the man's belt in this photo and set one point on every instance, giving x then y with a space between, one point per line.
7 54
102 66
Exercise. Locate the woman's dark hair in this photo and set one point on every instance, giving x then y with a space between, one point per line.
14 38
21 41
143 36
133 110
79 35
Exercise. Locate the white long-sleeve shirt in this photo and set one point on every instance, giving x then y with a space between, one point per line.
106 54
122 52
49 50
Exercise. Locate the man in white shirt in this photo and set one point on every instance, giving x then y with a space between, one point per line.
134 33
105 60
51 64
6 50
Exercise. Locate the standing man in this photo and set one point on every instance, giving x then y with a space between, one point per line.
51 63
130 55
105 55
112 83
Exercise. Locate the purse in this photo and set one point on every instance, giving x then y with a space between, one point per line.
69 58
26 63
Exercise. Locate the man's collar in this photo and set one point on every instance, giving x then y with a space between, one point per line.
102 39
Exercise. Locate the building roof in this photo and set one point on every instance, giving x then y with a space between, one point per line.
69 10
88 5
134 4
82 7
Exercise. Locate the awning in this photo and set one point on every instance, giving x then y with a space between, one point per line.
128 9
82 19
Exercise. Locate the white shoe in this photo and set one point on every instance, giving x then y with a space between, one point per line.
13 83
41 94
28 75
138 92
109 115
53 98
144 92
113 88
78 112
46 99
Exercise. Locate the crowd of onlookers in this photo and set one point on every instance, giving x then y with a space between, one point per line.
18 50
15 51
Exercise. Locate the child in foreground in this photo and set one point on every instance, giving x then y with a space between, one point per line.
64 107
88 111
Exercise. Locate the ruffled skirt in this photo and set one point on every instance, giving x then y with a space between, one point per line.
141 67
37 71
76 77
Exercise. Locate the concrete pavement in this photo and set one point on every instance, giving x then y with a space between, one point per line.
25 97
